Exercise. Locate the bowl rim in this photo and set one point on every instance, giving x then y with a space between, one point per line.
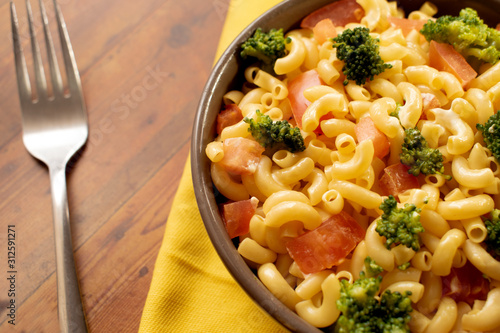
203 132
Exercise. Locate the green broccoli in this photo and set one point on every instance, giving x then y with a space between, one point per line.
266 47
400 225
405 266
275 134
372 268
492 240
395 113
491 134
467 33
360 54
416 153
362 312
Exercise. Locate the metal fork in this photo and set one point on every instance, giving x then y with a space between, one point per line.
55 127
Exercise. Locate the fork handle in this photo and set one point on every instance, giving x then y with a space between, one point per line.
70 309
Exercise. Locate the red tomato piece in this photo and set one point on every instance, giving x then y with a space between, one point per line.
444 57
396 180
323 30
365 129
237 215
339 12
229 116
429 101
406 25
296 88
326 246
465 284
241 155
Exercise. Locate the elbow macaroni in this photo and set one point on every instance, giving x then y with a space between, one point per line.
486 319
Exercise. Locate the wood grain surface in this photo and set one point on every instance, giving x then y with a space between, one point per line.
143 66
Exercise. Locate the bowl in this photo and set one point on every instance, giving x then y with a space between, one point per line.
225 76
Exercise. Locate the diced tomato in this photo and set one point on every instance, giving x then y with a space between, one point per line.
241 155
465 284
324 30
231 115
406 25
339 12
498 27
296 88
429 101
237 215
396 180
444 57
365 129
326 246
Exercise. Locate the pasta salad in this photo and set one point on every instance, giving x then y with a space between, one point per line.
359 162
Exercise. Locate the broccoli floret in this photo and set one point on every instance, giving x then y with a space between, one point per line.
405 266
372 268
267 47
491 134
360 54
358 304
275 134
395 113
400 225
416 153
492 240
362 312
396 307
468 34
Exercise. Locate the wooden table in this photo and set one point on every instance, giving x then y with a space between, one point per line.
143 66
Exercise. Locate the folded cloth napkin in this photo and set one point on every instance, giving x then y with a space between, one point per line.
191 290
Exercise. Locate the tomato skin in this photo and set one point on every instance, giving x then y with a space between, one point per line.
444 57
340 13
231 115
326 246
397 180
296 88
237 215
365 129
465 284
324 30
429 101
406 25
241 155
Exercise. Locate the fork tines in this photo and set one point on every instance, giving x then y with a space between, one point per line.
73 78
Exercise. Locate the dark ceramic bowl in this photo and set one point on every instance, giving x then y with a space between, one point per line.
225 76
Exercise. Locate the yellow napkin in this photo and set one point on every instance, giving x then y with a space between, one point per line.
191 290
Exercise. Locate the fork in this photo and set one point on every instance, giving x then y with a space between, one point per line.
55 127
